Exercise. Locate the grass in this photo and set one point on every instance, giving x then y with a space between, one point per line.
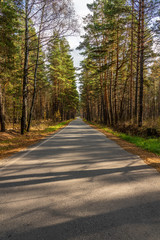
51 129
149 144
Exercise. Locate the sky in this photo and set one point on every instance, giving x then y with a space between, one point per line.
81 10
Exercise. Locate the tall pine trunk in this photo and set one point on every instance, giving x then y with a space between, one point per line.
2 111
25 74
116 80
138 63
140 118
110 94
35 72
131 77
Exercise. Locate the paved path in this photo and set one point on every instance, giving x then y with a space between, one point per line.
79 185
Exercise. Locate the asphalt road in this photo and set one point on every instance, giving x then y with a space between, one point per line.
78 185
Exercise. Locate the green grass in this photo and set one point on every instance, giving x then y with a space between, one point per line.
149 144
55 127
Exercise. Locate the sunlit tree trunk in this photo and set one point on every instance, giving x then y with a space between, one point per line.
2 111
138 63
35 71
116 78
25 74
141 69
131 77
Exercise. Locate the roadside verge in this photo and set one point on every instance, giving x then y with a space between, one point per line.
149 158
15 142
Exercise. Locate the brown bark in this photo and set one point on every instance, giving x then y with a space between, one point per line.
140 119
110 95
138 63
35 71
2 111
116 80
25 74
131 77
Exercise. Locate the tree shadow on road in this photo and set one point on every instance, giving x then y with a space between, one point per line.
138 221
79 170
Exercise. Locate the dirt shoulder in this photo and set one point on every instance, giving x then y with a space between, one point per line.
149 158
12 141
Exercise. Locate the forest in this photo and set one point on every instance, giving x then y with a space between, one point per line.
37 75
120 78
79 119
119 75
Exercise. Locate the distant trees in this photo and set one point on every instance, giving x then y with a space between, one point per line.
118 50
27 28
61 74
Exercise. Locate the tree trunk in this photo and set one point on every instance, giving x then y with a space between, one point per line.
116 80
35 72
2 112
138 62
14 113
131 78
141 69
110 96
25 75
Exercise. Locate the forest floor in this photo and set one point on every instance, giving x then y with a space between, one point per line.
12 141
149 158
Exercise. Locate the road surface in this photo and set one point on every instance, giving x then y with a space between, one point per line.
78 185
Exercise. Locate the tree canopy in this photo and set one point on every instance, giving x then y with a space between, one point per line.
120 54
37 76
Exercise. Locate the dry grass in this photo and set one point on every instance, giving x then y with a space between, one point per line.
12 141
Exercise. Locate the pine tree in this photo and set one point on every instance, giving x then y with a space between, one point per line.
62 77
118 42
8 30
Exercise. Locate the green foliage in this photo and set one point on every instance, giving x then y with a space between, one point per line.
61 74
9 25
12 58
110 72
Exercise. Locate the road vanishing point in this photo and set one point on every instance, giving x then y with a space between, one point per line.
78 185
